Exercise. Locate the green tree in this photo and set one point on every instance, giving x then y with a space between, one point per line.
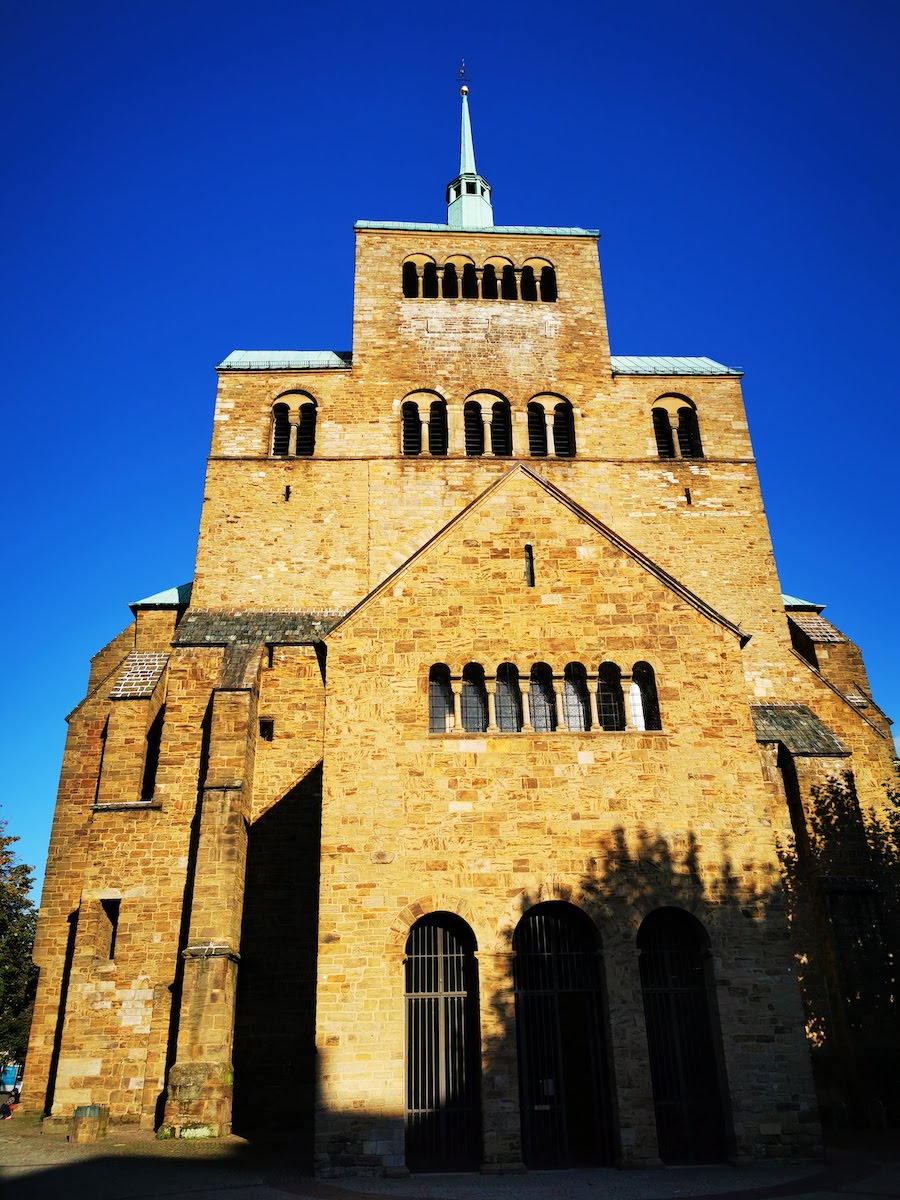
18 974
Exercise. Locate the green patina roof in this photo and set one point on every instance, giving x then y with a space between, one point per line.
281 360
171 598
426 227
639 364
796 602
320 360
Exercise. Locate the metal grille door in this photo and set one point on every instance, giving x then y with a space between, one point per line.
563 1083
690 1121
443 1086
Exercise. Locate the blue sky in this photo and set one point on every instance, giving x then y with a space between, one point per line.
181 181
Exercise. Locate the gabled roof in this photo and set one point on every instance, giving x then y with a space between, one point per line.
582 514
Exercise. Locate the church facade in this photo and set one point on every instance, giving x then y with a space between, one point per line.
483 802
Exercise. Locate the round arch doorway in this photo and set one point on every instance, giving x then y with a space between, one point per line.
561 1029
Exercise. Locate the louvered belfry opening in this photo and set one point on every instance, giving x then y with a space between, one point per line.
443 1053
684 1055
561 1026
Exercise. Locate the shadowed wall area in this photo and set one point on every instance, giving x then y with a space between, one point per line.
274 1042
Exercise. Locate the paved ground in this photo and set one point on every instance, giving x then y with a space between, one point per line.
134 1166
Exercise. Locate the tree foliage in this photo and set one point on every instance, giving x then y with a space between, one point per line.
18 974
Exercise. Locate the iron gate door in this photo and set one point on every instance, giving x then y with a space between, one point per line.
684 1065
443 1085
560 1025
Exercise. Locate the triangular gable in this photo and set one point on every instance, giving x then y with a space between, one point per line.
668 581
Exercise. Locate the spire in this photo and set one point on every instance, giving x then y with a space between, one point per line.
468 196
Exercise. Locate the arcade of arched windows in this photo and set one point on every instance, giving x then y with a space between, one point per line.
676 428
293 426
459 278
544 700
485 427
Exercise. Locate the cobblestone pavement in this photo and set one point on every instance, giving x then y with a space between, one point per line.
134 1166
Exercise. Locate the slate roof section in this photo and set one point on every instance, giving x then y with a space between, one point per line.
799 729
138 675
816 628
226 627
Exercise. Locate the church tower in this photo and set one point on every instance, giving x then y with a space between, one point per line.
442 821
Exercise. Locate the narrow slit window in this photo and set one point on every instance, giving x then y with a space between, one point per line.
501 429
281 430
548 284
529 285
689 434
508 288
564 430
151 756
450 287
576 702
542 699
412 428
537 430
440 699
529 566
489 283
474 706
110 927
508 699
662 430
437 427
610 698
306 430
474 429
429 281
644 701
410 280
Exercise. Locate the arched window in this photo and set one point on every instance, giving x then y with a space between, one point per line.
469 282
410 280
437 427
685 1052
440 699
443 1051
689 433
474 706
564 430
501 429
508 289
508 699
489 283
548 284
281 429
643 699
412 428
562 1033
473 428
450 288
537 430
576 702
662 428
542 699
306 430
528 285
610 700
429 281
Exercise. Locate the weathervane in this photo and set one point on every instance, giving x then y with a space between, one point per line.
462 78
